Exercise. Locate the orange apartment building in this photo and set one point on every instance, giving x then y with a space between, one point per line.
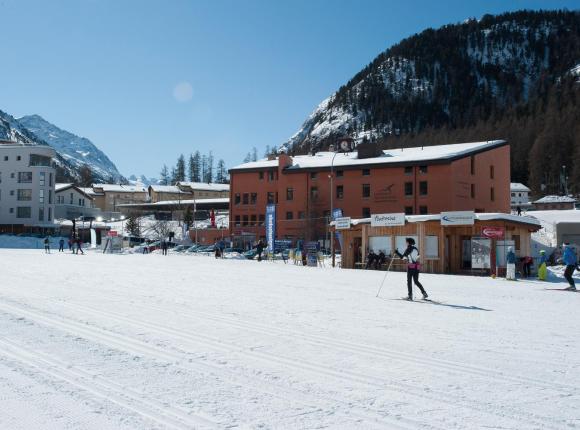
424 180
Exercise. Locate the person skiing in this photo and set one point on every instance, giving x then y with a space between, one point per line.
61 245
46 245
411 254
543 268
260 249
510 259
570 260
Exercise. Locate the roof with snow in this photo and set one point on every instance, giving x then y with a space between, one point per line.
420 154
117 188
59 187
168 189
556 199
557 216
516 186
203 186
62 187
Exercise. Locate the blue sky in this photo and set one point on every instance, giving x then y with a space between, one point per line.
148 80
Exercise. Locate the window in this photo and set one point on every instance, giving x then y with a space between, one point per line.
516 239
339 173
42 178
366 191
50 179
253 220
491 172
313 193
23 212
253 198
24 177
271 175
339 191
18 158
381 243
11 192
245 198
472 162
423 188
431 247
24 195
11 210
261 176
492 194
49 214
41 213
472 191
408 210
366 172
289 215
39 160
313 175
289 193
423 210
408 170
245 220
301 215
12 175
41 196
6 158
422 170
513 194
401 242
71 198
271 198
366 212
237 220
237 199
408 188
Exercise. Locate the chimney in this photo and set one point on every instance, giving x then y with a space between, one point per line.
284 160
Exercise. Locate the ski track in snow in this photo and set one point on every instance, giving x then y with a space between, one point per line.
185 342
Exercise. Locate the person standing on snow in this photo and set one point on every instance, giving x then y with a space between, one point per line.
260 249
570 260
61 245
543 266
79 246
164 247
46 245
411 254
510 259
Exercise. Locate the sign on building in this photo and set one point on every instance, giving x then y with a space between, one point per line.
270 226
387 220
480 253
342 223
458 218
493 232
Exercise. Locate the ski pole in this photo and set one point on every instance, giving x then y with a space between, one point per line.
385 277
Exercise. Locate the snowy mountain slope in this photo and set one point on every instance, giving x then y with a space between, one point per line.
78 151
450 77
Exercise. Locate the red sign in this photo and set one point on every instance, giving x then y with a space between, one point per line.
112 233
493 232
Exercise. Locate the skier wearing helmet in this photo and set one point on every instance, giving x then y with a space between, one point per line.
411 255
510 264
543 268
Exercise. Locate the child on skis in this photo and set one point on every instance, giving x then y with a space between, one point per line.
543 267
411 255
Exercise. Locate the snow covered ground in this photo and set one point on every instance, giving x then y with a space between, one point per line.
181 342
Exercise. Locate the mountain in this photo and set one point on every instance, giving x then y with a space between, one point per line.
514 74
77 151
142 180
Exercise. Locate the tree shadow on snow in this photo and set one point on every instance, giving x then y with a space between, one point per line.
447 305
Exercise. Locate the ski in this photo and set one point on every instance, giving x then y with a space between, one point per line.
562 289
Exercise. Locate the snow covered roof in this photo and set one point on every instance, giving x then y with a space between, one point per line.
492 216
556 199
203 186
557 216
89 191
168 189
516 186
59 187
390 156
116 188
62 187
223 200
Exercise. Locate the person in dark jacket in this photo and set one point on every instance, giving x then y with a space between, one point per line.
61 245
371 258
164 247
46 245
260 249
411 255
79 246
571 261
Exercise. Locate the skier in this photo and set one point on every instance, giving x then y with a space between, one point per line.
164 247
46 245
519 211
260 249
61 245
542 268
570 260
511 264
411 254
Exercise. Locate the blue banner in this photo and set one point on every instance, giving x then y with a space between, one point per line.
270 226
337 213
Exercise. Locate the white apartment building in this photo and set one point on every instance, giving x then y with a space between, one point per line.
27 181
520 196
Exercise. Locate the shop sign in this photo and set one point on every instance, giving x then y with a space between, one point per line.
458 218
493 232
387 220
342 223
112 233
270 226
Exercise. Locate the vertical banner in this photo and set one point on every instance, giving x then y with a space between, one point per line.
270 226
337 213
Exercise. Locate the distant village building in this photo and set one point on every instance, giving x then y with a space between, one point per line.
520 196
27 175
554 202
161 193
202 190
73 202
108 196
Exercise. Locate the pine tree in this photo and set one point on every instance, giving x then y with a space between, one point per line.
173 175
196 167
180 169
190 168
248 158
164 175
132 225
221 174
203 171
254 154
267 152
209 177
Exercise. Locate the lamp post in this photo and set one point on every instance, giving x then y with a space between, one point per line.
331 176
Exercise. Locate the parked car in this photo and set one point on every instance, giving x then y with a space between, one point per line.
238 250
250 254
181 248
